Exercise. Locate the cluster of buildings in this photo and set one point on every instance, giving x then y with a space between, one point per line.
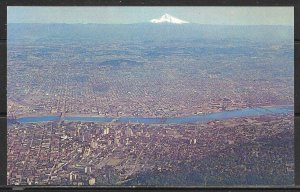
49 79
141 79
83 153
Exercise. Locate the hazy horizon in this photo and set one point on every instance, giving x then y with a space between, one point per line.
281 16
147 23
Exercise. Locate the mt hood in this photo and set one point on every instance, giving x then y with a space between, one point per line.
166 18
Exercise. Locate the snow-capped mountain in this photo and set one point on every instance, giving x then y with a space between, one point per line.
166 18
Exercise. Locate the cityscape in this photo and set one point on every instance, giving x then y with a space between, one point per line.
176 112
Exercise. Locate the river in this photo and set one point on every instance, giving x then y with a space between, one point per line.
246 112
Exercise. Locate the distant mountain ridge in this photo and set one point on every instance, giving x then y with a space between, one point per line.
166 18
147 32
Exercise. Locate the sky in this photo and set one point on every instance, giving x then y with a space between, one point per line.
128 15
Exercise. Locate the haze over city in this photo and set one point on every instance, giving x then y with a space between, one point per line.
167 96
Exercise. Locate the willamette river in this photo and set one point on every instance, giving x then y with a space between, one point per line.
169 120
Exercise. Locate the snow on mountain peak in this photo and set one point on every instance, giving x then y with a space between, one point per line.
166 18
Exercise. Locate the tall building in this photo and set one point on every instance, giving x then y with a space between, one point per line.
128 132
106 131
72 176
117 140
29 181
77 133
94 143
127 141
87 151
88 170
92 181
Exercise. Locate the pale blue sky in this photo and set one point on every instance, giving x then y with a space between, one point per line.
126 15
